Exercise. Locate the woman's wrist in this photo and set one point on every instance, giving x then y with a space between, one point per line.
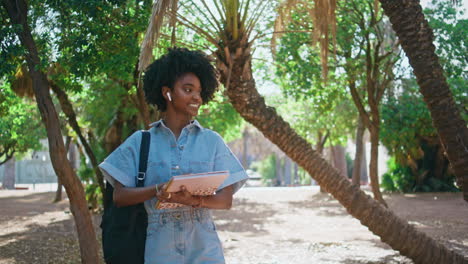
159 188
198 202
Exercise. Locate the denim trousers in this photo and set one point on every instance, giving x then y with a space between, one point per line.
184 235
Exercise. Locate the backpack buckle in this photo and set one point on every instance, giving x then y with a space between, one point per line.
141 176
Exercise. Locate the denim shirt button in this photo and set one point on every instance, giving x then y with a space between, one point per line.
181 147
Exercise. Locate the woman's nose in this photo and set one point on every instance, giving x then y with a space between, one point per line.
197 96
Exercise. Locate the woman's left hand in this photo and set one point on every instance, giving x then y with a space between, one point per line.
184 197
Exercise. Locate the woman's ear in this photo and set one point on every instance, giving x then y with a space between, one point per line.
166 93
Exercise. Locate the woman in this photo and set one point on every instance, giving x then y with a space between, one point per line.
177 83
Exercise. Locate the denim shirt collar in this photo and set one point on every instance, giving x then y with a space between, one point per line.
193 123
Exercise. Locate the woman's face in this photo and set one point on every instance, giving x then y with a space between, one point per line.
186 98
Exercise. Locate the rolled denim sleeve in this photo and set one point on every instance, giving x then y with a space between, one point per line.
122 163
226 160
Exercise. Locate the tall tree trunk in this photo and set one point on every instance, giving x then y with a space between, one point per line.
359 151
245 145
142 105
373 166
296 176
279 171
287 170
321 140
17 11
364 174
339 160
416 38
67 108
9 174
372 125
113 137
236 74
58 192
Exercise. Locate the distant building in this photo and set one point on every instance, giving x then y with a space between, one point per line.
34 168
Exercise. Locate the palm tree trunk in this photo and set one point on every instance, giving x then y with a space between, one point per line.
236 74
17 11
416 38
68 110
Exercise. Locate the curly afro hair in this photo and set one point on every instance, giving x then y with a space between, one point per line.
175 63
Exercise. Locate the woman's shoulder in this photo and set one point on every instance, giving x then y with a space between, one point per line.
210 134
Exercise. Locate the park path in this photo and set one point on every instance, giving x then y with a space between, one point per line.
266 225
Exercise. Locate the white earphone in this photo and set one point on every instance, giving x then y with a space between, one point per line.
169 96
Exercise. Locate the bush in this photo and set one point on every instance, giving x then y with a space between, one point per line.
400 178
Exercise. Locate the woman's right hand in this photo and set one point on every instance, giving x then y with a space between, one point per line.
161 193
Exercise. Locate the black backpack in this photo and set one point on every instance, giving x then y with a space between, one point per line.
124 228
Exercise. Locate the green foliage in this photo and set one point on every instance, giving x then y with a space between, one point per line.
220 116
405 122
397 178
451 36
20 127
304 177
400 178
97 37
92 191
451 41
10 50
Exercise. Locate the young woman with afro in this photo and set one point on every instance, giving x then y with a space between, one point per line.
178 83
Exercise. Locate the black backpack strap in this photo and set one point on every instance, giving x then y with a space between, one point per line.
144 151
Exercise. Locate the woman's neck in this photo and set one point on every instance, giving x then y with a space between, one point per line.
176 123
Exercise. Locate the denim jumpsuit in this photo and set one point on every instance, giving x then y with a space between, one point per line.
185 234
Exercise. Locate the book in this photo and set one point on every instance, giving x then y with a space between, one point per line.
201 184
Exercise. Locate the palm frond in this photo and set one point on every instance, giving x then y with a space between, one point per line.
22 84
245 9
283 18
324 19
173 22
221 11
218 27
160 8
255 16
187 23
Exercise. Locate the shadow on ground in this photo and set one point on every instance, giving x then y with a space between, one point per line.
324 203
245 216
31 232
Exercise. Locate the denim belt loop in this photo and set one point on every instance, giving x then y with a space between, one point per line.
162 218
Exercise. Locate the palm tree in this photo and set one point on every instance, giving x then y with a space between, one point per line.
416 38
231 34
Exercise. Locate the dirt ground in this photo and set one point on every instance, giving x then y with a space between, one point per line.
266 225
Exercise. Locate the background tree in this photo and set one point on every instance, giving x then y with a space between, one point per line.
419 162
17 12
416 39
19 125
364 58
375 55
